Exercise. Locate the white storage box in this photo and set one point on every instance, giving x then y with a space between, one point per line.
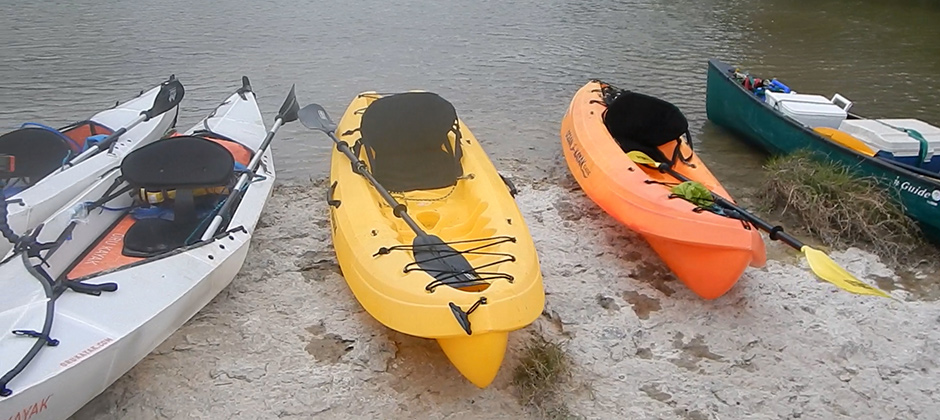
885 138
811 110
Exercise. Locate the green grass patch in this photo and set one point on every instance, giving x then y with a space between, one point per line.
841 209
543 367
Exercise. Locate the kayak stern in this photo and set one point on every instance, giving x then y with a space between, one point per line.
477 356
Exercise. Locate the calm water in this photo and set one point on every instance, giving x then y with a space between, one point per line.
510 68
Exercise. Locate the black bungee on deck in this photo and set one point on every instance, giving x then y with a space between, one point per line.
407 144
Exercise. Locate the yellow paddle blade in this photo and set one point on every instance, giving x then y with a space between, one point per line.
830 271
846 140
642 158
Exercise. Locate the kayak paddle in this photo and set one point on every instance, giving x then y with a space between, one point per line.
286 114
846 140
170 94
430 252
821 264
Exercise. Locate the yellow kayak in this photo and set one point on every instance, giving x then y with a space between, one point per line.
416 148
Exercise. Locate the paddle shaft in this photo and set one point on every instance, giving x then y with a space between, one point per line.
107 141
242 181
397 208
774 231
168 97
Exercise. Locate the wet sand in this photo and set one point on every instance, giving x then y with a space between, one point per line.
287 339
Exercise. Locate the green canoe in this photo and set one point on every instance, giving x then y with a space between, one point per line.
731 106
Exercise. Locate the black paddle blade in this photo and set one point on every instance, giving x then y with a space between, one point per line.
443 262
314 117
289 108
246 87
170 94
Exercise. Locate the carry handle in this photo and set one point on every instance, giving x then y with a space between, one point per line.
841 101
329 195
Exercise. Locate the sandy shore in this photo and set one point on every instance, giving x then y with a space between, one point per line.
288 340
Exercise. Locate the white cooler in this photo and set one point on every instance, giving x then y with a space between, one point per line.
811 110
895 143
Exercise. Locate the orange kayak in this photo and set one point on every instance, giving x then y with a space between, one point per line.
706 250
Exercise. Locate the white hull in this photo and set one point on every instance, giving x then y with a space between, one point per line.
103 337
35 204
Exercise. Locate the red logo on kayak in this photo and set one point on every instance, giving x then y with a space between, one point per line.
32 410
87 352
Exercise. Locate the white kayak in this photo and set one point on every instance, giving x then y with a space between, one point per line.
164 271
46 184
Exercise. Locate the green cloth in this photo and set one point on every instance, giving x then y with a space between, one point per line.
914 134
694 192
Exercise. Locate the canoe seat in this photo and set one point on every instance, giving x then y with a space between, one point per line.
406 140
37 151
641 122
182 164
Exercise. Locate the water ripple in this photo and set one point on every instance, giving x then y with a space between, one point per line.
509 67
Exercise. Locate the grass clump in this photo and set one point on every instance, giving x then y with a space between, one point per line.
839 208
543 367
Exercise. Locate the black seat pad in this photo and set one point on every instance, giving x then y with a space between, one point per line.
37 151
150 237
641 122
179 162
406 135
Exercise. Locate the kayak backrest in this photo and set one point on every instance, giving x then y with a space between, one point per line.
179 164
37 151
407 143
240 152
642 122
